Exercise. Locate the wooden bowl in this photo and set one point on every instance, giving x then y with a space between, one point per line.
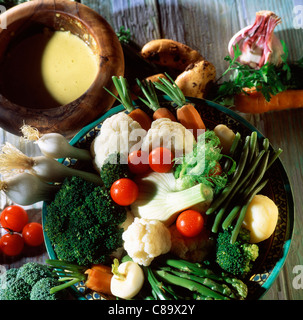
90 27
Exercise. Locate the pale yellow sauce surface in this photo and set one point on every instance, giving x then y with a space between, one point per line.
48 69
69 67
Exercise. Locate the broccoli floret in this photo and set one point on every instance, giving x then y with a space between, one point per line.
17 289
31 272
8 276
115 167
91 231
236 258
41 290
5 279
71 195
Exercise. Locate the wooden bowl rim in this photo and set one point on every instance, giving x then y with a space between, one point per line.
96 25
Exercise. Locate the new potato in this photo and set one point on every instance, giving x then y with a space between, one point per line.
261 218
196 78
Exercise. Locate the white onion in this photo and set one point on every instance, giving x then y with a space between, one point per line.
54 145
27 189
13 160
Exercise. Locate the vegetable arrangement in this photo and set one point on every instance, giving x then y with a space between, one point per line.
191 198
247 181
173 210
157 201
262 79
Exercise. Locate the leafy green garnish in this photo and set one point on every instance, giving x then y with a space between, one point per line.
123 35
269 79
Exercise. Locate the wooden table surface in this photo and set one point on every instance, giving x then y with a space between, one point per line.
207 26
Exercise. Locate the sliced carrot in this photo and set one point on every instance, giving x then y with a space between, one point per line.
141 117
99 278
190 118
254 101
164 113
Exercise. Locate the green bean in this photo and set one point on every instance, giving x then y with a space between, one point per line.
265 144
258 175
233 148
235 143
210 283
252 146
227 190
189 284
242 214
235 210
274 158
194 268
156 285
234 192
218 219
231 216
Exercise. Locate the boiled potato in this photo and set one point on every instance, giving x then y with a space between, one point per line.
226 137
196 79
261 218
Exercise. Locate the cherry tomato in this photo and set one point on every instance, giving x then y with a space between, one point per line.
124 191
161 160
190 223
138 162
217 170
11 244
14 218
32 234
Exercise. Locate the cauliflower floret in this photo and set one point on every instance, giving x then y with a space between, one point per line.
146 239
119 133
193 249
169 134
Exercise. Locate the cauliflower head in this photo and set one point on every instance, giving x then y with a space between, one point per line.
169 134
119 134
145 240
194 249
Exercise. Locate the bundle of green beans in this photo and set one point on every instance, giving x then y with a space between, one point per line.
196 281
254 159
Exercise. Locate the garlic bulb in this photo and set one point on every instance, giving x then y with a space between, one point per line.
257 42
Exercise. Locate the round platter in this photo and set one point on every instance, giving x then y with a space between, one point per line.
273 252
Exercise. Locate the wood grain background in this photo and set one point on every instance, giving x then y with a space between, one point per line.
207 26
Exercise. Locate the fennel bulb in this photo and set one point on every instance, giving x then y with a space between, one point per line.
159 200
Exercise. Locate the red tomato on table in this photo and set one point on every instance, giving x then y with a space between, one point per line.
14 218
32 234
11 244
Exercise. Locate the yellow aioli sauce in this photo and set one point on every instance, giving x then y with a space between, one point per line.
48 69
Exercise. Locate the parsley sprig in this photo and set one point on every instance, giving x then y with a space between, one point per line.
269 79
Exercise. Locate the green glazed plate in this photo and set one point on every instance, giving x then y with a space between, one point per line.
273 252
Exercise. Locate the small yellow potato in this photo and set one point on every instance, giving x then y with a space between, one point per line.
226 137
261 218
196 79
